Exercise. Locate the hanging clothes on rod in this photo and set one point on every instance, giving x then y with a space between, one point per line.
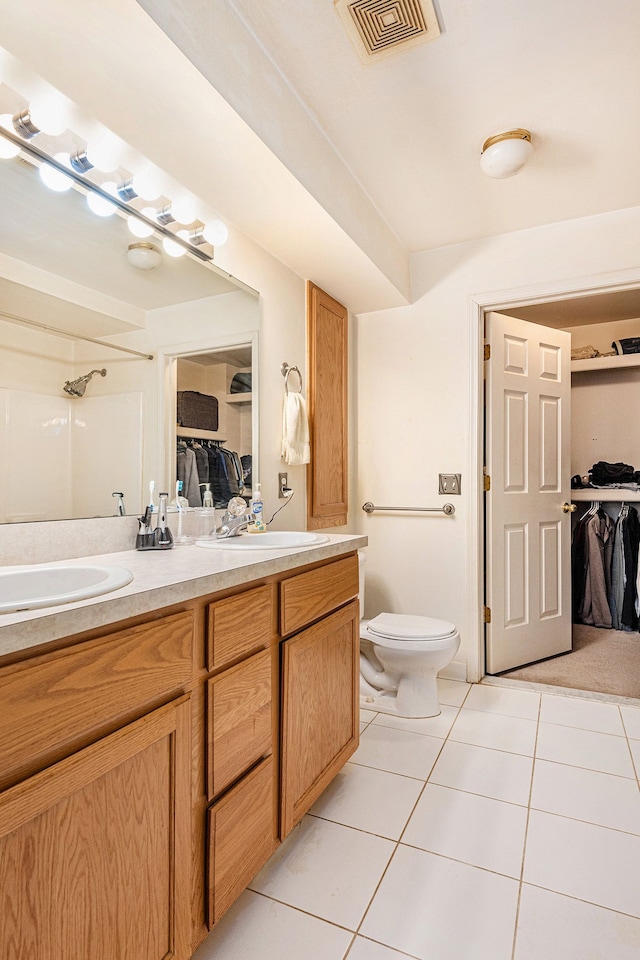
604 568
624 569
187 471
591 567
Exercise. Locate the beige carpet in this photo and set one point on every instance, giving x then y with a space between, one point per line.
603 661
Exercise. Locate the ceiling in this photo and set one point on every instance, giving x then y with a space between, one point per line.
343 170
409 128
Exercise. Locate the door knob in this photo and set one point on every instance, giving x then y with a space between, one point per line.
569 508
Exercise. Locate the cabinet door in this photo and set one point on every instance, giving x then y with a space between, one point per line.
327 473
239 721
95 851
320 725
242 836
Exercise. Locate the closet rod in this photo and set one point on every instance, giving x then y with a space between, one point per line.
447 508
72 336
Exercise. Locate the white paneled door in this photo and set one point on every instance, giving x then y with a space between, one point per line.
528 526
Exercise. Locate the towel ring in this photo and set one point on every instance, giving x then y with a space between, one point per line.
286 370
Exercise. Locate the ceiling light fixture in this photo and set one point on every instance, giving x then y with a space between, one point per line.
505 154
66 159
144 256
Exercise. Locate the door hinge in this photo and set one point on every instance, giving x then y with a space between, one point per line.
487 351
487 614
486 482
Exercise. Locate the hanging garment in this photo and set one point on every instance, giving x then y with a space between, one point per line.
202 462
616 598
223 475
595 609
579 565
631 542
187 471
247 476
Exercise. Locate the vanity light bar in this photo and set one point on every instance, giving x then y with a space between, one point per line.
117 200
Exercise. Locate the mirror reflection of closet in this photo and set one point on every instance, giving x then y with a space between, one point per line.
225 443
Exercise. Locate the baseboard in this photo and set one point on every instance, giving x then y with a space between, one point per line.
455 671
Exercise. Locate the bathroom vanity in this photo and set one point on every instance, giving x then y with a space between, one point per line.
152 758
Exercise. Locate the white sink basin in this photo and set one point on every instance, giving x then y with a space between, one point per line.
26 588
270 540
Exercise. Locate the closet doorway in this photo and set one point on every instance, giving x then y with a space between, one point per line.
605 402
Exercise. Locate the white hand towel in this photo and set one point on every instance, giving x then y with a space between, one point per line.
295 430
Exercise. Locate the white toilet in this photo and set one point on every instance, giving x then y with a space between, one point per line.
400 656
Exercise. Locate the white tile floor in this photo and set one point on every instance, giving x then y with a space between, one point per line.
508 828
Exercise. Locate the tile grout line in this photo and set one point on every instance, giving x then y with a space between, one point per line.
398 841
526 834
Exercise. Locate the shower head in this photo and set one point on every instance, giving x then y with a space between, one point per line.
76 388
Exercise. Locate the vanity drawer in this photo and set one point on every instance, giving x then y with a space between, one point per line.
55 703
238 625
309 596
239 720
241 836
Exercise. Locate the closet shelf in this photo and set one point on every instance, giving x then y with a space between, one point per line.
606 496
198 434
606 363
238 398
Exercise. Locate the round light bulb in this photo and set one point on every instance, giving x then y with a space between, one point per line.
215 233
138 227
98 204
49 115
183 210
505 154
8 150
53 178
146 184
173 249
104 152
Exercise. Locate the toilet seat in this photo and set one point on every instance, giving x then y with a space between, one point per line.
406 632
403 626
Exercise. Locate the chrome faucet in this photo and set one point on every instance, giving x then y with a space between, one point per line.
233 526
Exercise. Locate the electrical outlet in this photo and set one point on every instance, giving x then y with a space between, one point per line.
283 484
450 483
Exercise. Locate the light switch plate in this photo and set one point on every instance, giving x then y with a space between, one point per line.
450 483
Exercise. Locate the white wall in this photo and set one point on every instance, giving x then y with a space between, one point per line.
418 407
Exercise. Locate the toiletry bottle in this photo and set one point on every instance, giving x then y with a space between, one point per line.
257 510
162 536
206 516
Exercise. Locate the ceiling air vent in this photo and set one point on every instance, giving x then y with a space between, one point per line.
379 28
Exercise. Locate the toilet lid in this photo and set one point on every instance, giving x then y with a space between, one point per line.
403 626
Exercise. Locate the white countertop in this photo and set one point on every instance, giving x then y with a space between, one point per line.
160 579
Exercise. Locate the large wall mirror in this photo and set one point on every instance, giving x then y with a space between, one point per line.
83 411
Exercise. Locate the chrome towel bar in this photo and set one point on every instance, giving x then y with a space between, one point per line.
447 508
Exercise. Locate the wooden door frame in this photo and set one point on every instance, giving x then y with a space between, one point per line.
478 306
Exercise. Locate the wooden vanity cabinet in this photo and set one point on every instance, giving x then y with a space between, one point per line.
95 840
148 773
320 677
241 743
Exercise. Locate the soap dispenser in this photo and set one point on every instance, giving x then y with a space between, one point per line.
257 511
206 516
